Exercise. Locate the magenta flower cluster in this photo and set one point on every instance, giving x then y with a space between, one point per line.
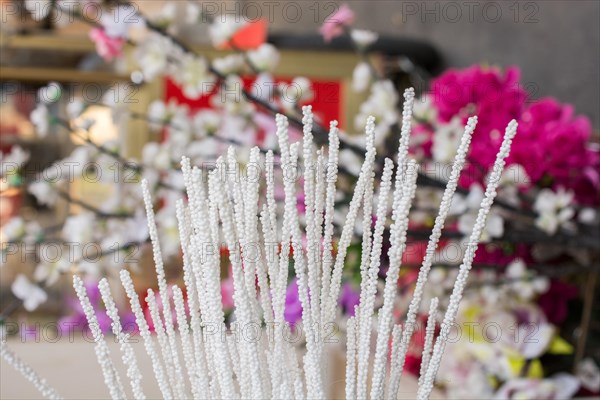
552 143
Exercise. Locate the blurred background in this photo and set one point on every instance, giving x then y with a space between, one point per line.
96 95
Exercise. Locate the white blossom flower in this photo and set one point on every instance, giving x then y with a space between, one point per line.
382 105
224 27
554 209
53 265
423 110
264 86
156 155
31 294
230 64
265 58
157 111
514 175
12 230
363 38
14 160
166 16
524 285
194 77
192 12
40 119
361 77
305 90
79 228
118 98
162 114
446 140
548 200
72 166
588 374
39 9
462 375
120 20
298 91
152 56
231 100
512 179
468 208
587 215
50 93
75 107
206 122
167 230
123 231
16 229
350 160
560 386
33 232
43 192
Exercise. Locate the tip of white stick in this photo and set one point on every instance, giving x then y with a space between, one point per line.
511 129
281 122
103 283
77 281
185 162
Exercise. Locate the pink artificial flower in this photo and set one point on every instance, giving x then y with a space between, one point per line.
421 140
414 253
227 293
335 23
108 47
496 97
475 89
552 144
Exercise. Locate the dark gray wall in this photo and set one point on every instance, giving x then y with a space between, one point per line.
555 43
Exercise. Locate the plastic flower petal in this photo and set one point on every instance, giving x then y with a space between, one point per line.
334 24
31 295
108 47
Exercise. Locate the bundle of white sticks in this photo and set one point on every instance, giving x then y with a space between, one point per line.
225 205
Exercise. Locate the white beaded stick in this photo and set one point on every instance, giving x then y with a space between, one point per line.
391 282
366 309
28 373
158 369
111 376
429 333
347 230
229 210
461 279
128 356
413 308
173 360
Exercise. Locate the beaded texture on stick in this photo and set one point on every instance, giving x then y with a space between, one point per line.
232 209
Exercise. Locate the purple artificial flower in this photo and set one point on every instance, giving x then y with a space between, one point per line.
349 298
293 307
77 322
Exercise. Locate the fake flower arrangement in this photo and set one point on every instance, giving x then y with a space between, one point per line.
543 220
228 208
